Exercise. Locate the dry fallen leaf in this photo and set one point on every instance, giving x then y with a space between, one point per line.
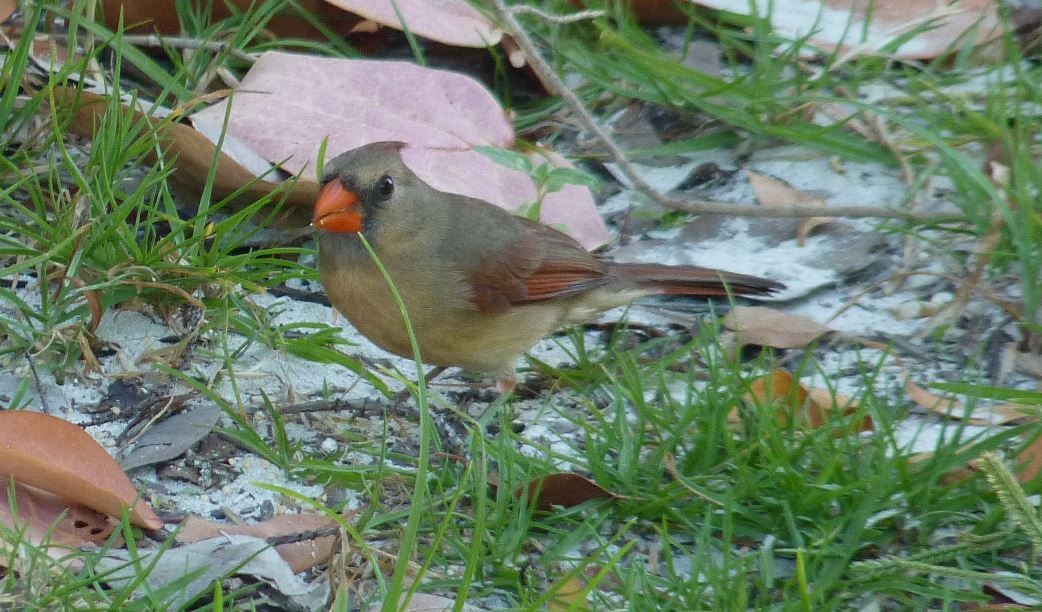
809 407
1002 414
152 16
289 105
565 489
190 153
56 456
1029 461
301 556
569 593
870 28
453 22
762 326
776 193
195 567
7 8
44 517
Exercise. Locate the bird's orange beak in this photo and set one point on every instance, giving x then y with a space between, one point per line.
338 209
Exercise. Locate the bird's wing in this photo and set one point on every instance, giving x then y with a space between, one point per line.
541 263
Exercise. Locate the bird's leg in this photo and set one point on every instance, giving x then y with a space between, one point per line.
506 383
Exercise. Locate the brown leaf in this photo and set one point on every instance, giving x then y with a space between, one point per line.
828 403
190 153
301 555
762 326
776 193
7 8
46 517
565 489
1029 460
568 593
811 408
946 407
54 455
151 16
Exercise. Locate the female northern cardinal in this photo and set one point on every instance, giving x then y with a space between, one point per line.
480 285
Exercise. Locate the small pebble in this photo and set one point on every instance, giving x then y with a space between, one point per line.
907 310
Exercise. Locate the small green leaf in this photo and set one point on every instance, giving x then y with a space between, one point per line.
507 158
559 177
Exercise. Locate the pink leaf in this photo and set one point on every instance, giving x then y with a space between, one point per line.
453 22
866 28
288 104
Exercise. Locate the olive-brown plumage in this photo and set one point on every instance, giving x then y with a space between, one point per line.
481 285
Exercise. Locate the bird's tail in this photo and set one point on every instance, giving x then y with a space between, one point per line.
694 281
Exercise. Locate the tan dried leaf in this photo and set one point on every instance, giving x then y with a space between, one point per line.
300 556
776 193
763 326
568 593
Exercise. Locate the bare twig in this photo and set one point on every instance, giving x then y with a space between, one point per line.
703 207
182 42
523 9
40 391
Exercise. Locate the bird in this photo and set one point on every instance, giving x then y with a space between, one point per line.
480 285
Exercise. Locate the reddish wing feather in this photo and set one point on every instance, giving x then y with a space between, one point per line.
542 264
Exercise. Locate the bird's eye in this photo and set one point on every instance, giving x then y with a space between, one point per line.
385 187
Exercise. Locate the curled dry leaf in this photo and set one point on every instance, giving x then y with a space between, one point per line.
7 8
190 153
44 517
301 556
776 193
1002 414
1028 464
289 106
809 407
453 22
54 455
762 326
565 489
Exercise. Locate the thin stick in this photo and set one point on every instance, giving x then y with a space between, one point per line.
702 207
183 42
523 9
